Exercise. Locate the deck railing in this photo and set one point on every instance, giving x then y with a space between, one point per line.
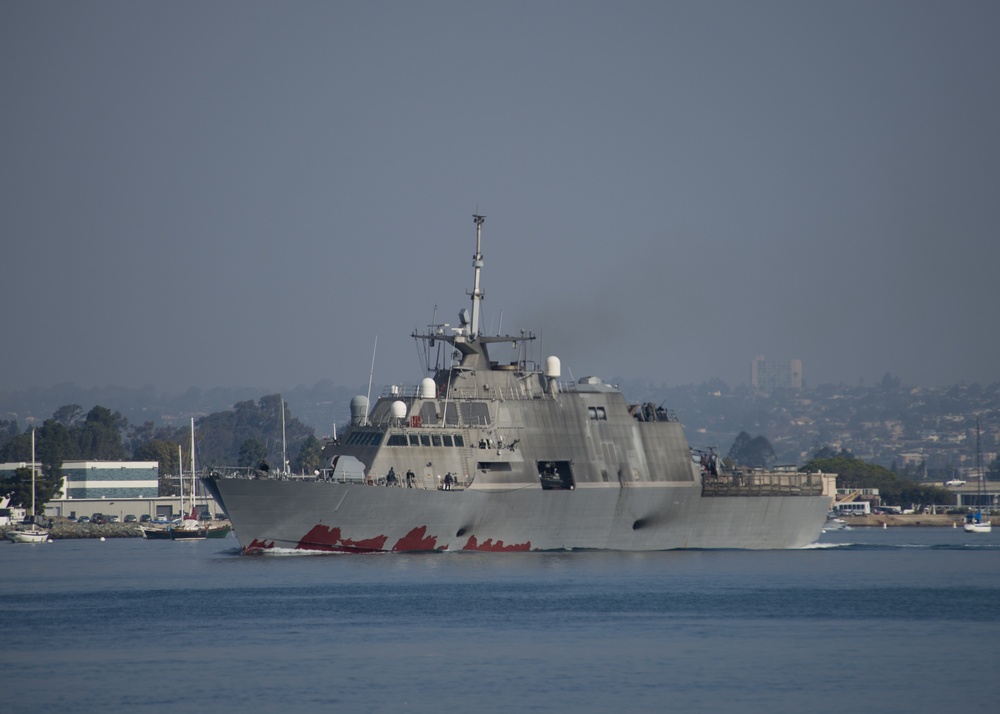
762 484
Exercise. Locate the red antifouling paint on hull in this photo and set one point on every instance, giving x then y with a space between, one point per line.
417 539
258 545
329 539
498 547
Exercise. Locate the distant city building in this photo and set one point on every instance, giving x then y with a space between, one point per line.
768 375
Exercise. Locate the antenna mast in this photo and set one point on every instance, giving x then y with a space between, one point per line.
477 263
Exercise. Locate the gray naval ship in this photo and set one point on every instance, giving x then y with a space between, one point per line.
504 456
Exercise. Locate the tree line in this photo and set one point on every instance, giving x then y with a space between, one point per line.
248 435
852 472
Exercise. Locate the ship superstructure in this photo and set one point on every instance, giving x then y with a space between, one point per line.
491 455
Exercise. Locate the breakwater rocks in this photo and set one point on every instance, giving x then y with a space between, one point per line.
62 530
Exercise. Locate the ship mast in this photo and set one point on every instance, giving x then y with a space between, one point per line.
467 340
477 264
32 474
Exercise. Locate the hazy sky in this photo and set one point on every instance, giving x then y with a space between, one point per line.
248 193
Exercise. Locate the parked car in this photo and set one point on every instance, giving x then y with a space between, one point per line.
130 518
161 520
84 519
145 518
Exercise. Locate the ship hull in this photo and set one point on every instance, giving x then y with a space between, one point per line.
335 517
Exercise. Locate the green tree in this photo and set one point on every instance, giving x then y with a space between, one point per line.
222 435
755 453
54 444
853 473
165 453
252 453
16 485
8 430
308 459
68 415
100 437
739 446
17 448
48 479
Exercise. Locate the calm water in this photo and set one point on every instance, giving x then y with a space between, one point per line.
897 620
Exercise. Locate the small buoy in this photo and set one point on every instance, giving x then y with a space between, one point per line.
884 525
102 539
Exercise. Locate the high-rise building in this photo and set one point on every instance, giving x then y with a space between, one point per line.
768 375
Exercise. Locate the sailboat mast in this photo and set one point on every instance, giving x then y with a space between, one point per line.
192 464
32 474
180 474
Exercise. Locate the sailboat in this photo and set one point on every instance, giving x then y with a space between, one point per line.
30 533
974 522
190 528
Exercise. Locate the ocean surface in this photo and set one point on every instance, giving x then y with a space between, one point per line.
894 620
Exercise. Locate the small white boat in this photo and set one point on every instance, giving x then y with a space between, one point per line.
978 526
30 532
974 522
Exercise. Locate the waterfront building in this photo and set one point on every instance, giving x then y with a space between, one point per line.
110 479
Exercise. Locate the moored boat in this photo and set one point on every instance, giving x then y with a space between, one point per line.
29 532
189 527
976 522
500 455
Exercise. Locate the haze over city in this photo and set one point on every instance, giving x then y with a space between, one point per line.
249 193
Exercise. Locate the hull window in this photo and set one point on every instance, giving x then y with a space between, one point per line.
555 475
487 466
